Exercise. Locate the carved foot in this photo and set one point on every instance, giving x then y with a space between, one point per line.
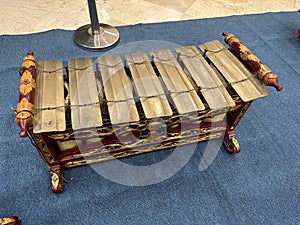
231 143
12 220
57 181
297 33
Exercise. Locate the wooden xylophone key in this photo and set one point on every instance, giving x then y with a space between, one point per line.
206 79
181 90
84 101
148 86
49 111
118 90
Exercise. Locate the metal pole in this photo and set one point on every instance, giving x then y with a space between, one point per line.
94 16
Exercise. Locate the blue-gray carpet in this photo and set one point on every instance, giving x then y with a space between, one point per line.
260 185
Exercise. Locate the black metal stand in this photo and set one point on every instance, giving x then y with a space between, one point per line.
95 36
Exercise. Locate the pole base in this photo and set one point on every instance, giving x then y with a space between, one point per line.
106 36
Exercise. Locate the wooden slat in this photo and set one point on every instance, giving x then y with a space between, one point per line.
211 87
49 97
84 101
240 78
182 91
118 90
148 86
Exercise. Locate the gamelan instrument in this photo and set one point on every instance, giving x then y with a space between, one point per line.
87 111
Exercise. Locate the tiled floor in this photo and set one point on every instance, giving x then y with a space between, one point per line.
28 16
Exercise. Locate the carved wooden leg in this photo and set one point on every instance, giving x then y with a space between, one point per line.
297 33
12 220
231 142
57 181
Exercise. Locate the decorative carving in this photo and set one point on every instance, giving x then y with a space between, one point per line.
27 83
29 60
12 220
42 147
24 106
57 182
230 142
263 72
24 109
